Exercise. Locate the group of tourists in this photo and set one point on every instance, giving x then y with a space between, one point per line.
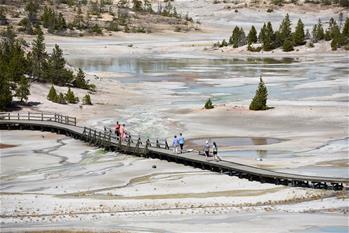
207 148
178 143
120 131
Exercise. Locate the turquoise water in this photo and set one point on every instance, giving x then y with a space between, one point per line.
327 229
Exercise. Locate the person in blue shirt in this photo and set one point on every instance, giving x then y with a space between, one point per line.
181 141
175 144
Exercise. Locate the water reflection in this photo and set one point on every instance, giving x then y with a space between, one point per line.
153 65
253 154
236 141
287 78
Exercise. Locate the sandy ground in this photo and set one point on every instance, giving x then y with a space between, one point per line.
71 184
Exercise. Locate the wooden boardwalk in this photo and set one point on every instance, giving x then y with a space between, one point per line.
157 149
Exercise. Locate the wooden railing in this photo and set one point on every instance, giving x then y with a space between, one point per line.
35 116
104 137
132 138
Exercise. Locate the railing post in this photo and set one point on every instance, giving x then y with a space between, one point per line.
147 144
95 136
42 116
109 140
9 116
166 145
83 132
28 116
100 138
105 141
18 115
138 144
129 141
74 121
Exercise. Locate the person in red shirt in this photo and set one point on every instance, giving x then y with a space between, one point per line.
117 129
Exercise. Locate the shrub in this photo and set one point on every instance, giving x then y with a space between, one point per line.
277 2
61 99
259 101
96 29
224 43
334 44
86 100
81 82
287 45
178 29
52 95
70 97
208 104
253 49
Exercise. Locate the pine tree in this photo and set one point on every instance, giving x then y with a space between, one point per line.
334 44
268 38
61 99
234 39
242 37
39 55
55 70
259 101
252 36
320 34
60 23
285 29
137 5
345 30
261 34
335 34
56 59
287 45
299 33
17 63
52 95
23 90
208 104
313 33
32 7
5 91
80 81
147 6
13 65
87 100
70 97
